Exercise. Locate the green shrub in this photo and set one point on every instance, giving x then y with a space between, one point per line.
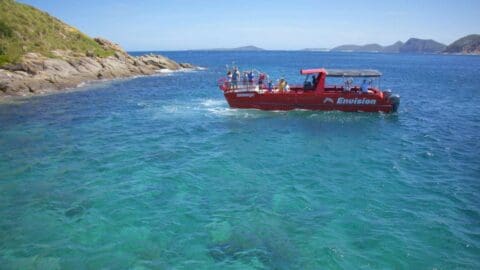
5 31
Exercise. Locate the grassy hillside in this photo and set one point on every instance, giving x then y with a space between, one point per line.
26 29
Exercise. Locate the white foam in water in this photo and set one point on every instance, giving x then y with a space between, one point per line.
165 70
214 102
220 107
168 71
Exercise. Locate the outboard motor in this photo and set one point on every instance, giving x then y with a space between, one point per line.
395 100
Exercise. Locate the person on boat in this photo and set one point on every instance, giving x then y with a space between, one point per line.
270 86
235 77
348 85
244 78
287 86
261 78
229 79
309 85
281 85
365 86
250 76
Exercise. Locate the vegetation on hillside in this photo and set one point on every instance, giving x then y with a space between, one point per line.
26 29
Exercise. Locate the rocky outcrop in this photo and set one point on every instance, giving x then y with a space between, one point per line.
39 74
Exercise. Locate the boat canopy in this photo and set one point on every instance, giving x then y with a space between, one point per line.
343 72
353 73
312 71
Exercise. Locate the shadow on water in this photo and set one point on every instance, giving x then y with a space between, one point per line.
265 248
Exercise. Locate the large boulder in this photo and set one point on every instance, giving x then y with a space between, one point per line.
159 61
108 45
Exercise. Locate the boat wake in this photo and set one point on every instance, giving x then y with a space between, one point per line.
181 70
214 108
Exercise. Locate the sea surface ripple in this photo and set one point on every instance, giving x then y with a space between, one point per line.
158 173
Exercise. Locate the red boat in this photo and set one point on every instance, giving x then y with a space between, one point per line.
314 94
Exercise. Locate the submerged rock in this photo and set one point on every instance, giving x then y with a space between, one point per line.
75 211
220 232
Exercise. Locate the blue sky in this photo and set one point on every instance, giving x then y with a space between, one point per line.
294 24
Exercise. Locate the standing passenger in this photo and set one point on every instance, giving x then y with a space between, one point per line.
229 79
261 78
365 86
281 85
244 78
250 77
235 77
270 86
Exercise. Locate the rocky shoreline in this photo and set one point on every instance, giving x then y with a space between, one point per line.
37 74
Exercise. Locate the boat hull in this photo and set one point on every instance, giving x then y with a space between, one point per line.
311 100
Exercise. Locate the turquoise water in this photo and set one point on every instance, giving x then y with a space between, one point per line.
158 173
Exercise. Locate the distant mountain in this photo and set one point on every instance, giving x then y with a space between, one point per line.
469 45
416 45
316 50
243 48
358 48
247 48
394 48
413 45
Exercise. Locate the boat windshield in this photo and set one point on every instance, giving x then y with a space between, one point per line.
348 83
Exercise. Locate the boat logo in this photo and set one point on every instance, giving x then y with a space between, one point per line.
245 95
356 101
328 100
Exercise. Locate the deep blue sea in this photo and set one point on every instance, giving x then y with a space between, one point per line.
158 173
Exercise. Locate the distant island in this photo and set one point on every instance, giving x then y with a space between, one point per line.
358 48
39 54
249 48
316 50
466 45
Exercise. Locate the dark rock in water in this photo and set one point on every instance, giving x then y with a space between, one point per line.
187 65
72 212
267 249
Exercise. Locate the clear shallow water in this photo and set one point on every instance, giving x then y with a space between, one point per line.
158 173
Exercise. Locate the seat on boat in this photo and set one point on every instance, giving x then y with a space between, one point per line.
307 86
